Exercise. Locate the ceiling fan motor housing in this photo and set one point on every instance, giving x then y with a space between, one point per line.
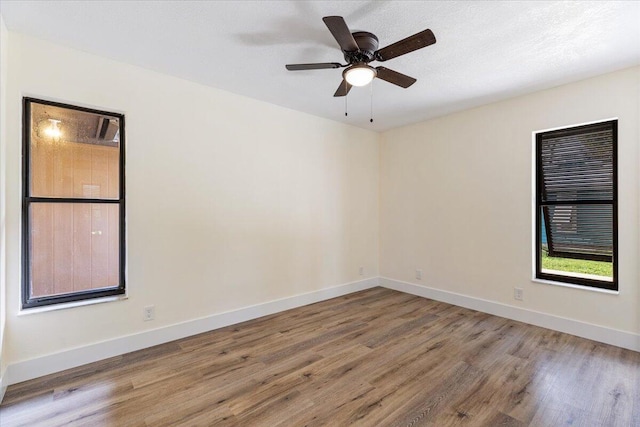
368 44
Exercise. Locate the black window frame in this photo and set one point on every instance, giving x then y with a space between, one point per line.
27 200
573 280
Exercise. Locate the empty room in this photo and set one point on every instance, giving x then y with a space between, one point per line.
320 213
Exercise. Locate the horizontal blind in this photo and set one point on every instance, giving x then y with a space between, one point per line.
576 185
578 167
581 229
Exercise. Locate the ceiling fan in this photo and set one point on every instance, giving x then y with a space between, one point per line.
361 48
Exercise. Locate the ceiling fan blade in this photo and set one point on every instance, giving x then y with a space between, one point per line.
395 77
316 66
417 41
341 33
343 89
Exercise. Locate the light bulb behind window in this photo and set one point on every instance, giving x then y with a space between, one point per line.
54 130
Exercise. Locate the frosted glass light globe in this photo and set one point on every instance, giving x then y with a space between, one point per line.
359 75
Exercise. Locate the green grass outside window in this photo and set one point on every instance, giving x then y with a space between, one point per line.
598 268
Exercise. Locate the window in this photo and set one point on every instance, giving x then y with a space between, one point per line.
73 203
576 205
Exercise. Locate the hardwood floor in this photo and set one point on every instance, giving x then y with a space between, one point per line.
373 358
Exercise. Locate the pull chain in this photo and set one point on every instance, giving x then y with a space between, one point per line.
345 106
371 119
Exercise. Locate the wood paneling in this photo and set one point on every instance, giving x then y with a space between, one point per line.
74 246
63 266
373 358
42 250
81 246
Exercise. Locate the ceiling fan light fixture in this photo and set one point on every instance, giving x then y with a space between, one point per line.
359 75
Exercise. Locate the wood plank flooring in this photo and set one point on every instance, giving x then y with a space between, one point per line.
373 358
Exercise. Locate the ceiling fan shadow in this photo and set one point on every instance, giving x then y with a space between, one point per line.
294 36
298 30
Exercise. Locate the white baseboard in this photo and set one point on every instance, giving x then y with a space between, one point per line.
3 387
602 334
49 364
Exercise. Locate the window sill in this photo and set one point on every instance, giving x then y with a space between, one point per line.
581 287
66 305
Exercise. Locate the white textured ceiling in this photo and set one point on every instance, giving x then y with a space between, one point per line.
486 51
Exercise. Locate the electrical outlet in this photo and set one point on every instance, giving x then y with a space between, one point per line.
148 313
362 271
419 274
518 294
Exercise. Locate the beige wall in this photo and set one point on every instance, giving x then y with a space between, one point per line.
456 200
4 47
230 201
